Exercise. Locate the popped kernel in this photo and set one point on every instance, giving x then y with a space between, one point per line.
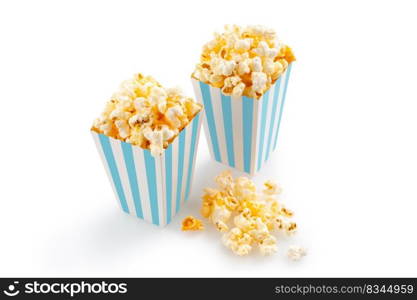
296 252
146 114
254 54
238 241
271 188
221 226
255 216
268 245
191 223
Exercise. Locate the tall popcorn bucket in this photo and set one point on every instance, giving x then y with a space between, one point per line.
146 187
242 132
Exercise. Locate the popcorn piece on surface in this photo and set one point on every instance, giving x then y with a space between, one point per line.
238 241
252 53
221 226
191 223
146 114
268 245
271 188
296 252
255 215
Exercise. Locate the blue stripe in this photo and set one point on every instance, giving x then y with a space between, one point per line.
151 178
131 172
273 113
282 103
227 122
205 91
265 101
192 151
108 153
180 168
168 173
247 115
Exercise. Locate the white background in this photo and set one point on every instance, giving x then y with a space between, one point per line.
347 157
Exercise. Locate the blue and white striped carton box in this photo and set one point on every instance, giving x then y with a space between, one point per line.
242 132
146 187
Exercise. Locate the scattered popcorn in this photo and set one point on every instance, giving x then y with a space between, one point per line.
252 55
146 114
191 223
271 188
268 245
238 241
296 252
252 217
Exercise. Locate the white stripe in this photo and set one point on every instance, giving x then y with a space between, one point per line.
164 188
160 184
116 146
257 111
237 116
268 123
197 91
175 145
271 146
187 146
142 182
195 152
280 95
106 166
216 103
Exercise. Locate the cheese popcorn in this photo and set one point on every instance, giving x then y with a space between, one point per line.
296 252
191 223
251 216
243 60
146 114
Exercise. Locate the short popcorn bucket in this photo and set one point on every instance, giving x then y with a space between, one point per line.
147 187
242 132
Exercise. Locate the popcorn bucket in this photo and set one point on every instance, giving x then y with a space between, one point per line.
242 132
151 188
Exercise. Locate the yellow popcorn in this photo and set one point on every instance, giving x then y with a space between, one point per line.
268 245
290 228
286 212
260 232
271 188
243 60
221 226
255 216
191 223
238 241
146 114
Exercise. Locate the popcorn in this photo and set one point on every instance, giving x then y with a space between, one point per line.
158 138
146 114
296 252
259 81
260 232
290 228
271 188
268 245
124 128
243 51
159 98
238 241
173 113
243 44
255 216
220 213
221 226
191 223
256 65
